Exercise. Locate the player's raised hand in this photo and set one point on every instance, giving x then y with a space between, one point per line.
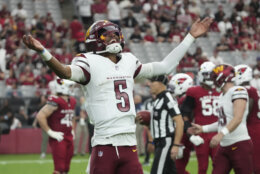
56 135
32 43
199 27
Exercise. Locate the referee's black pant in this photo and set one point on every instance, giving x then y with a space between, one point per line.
163 164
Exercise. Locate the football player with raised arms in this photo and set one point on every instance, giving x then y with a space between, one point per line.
200 106
236 148
178 85
243 78
107 77
56 118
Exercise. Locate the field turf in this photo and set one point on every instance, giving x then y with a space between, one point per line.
32 164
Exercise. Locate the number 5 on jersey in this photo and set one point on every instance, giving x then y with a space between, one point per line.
123 105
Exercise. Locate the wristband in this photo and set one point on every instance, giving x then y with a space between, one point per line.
188 40
178 145
45 54
205 129
225 131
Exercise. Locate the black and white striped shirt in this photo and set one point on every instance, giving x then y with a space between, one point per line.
164 109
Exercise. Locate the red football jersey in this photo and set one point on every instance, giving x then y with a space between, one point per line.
61 119
254 115
181 99
205 104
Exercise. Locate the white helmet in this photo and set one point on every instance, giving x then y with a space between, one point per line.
180 83
63 86
243 74
204 73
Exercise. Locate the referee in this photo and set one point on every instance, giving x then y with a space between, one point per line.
166 127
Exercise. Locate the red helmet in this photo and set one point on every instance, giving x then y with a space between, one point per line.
96 34
222 74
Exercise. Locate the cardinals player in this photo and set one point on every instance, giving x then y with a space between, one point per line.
107 77
178 85
236 148
243 77
56 119
200 104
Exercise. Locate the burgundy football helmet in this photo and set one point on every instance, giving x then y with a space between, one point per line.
222 74
96 36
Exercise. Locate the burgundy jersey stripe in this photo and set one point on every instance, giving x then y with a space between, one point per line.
239 98
87 76
81 55
83 62
137 71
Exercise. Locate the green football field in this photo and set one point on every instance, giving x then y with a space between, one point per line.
32 164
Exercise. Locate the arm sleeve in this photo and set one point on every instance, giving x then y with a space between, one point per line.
187 124
210 128
188 106
170 62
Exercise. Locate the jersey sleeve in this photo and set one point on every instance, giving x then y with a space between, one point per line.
145 71
81 61
53 101
137 63
140 70
239 93
172 106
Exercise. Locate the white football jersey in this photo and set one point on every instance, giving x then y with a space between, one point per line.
226 115
109 92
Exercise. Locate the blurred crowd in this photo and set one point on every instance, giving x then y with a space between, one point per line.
24 74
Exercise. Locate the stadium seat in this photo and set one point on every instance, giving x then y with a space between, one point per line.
33 105
16 103
28 91
2 88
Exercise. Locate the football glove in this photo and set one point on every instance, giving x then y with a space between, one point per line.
196 140
56 135
73 134
82 122
180 152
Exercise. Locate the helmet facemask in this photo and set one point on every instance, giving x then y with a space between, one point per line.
204 73
97 37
